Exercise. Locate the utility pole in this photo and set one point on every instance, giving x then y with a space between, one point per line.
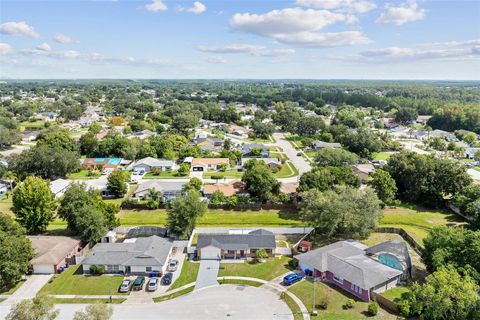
314 312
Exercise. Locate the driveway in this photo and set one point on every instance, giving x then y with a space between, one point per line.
30 288
218 302
207 274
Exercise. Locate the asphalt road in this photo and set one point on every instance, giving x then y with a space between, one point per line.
218 302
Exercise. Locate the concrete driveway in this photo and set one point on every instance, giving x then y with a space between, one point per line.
298 161
218 302
29 289
207 274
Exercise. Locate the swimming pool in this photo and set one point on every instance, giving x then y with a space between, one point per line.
390 261
114 161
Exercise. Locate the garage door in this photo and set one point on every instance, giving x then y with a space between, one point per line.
43 269
210 253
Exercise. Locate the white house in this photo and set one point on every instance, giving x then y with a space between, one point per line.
150 164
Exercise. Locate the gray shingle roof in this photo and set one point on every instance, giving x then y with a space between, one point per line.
149 251
348 260
253 240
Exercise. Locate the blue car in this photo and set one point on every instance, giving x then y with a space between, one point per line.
292 278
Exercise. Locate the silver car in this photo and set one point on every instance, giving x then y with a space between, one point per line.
152 284
125 286
172 265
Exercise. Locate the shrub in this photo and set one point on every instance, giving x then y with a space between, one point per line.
261 254
216 176
293 264
404 308
373 308
349 304
152 204
97 269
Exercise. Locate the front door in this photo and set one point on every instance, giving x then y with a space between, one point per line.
128 269
242 253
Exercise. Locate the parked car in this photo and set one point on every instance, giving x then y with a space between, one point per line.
152 284
167 278
125 286
291 278
138 283
172 265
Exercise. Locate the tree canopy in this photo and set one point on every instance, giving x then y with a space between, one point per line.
259 181
183 213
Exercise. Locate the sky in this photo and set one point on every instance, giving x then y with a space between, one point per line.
262 39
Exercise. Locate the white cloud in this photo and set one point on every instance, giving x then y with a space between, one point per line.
5 49
351 6
18 29
297 26
156 6
197 8
69 54
425 51
44 47
254 50
62 38
406 12
217 60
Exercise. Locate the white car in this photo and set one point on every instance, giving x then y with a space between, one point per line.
172 265
152 284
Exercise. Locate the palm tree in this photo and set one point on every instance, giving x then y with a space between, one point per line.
154 194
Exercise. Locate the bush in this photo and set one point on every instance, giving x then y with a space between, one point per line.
323 301
404 308
349 304
97 270
152 204
216 177
293 264
261 254
373 308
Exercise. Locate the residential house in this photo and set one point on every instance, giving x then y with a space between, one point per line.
168 189
423 119
421 135
272 163
238 130
289 188
142 135
53 252
470 152
208 144
363 171
101 163
28 136
150 164
228 189
59 186
443 134
235 246
204 164
358 269
319 145
252 149
132 256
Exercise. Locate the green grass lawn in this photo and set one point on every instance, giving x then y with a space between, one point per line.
268 270
381 155
304 291
87 300
417 221
84 174
6 205
188 274
214 217
174 295
11 290
32 124
311 154
286 171
240 282
229 174
395 294
164 175
296 311
72 281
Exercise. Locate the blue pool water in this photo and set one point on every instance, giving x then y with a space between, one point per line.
114 161
390 261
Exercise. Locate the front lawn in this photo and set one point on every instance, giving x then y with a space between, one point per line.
268 270
164 175
188 274
84 174
335 311
417 221
382 155
229 174
287 170
72 281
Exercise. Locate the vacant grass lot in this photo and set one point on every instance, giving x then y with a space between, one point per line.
417 221
188 274
304 291
268 270
72 281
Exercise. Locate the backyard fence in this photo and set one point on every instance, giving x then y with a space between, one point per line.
385 303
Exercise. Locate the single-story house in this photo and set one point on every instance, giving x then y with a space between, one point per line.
443 134
420 135
228 189
142 135
470 152
168 189
358 269
59 186
132 256
289 188
238 130
272 163
363 171
204 164
423 119
53 252
28 136
101 163
247 149
149 164
235 246
318 145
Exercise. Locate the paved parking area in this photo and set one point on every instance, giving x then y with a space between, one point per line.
207 273
218 302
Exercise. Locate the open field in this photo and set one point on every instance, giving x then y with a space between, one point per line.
268 270
72 281
335 311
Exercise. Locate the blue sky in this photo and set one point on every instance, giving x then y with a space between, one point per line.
314 39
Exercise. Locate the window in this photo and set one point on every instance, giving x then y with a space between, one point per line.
338 279
148 269
112 268
356 289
